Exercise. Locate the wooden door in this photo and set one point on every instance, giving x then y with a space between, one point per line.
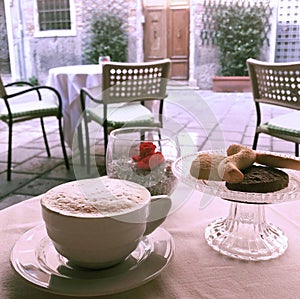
166 35
155 38
178 42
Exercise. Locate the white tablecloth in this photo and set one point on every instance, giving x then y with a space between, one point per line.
196 271
68 80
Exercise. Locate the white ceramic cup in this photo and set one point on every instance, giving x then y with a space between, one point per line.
90 233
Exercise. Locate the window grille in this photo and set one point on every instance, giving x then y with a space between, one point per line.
54 14
288 36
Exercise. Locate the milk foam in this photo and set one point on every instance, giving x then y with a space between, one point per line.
101 196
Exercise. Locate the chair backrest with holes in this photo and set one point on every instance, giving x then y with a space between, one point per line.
275 83
126 82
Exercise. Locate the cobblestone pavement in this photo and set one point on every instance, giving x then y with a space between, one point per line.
203 120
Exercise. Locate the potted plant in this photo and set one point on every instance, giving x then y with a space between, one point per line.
240 34
107 38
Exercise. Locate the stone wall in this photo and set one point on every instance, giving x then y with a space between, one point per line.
4 53
128 10
36 55
205 58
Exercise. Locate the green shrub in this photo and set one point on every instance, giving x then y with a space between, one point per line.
108 38
33 80
239 36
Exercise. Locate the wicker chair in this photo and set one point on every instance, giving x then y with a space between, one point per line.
119 102
21 101
277 84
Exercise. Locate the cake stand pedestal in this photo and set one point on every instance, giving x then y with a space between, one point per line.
245 233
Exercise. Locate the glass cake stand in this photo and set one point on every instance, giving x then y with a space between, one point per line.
245 233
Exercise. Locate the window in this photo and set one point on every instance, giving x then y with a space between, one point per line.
287 46
55 18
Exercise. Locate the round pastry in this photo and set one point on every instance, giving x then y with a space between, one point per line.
261 179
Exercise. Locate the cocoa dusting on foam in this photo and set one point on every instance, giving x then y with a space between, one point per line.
95 197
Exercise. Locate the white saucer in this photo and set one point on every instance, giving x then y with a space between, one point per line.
35 259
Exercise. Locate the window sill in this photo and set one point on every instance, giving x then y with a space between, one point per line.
55 33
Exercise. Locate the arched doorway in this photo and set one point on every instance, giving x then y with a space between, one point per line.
166 34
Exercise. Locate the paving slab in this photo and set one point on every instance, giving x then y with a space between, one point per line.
203 119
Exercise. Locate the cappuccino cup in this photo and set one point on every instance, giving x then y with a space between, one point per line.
97 223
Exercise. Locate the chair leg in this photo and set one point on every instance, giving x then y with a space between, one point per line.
87 144
9 153
255 141
296 149
45 137
80 144
105 130
62 141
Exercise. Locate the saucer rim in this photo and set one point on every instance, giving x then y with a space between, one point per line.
155 236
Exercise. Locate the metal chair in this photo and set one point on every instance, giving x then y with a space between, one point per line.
120 101
277 84
21 101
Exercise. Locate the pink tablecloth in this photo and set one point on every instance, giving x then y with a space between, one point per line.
68 80
196 270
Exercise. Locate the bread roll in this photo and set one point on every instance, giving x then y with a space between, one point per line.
277 161
205 166
239 158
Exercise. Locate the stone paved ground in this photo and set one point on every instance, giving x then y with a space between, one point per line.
203 120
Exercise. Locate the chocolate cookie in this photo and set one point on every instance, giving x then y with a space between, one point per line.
261 179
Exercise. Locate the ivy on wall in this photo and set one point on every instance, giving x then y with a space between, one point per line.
214 8
239 29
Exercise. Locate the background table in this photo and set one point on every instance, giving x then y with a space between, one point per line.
68 80
196 270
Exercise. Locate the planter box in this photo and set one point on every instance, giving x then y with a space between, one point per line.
231 84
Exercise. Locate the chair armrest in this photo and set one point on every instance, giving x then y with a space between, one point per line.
85 92
37 89
90 92
18 83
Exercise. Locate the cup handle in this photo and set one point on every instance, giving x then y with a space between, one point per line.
159 208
